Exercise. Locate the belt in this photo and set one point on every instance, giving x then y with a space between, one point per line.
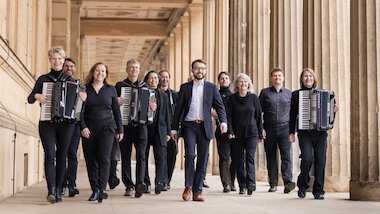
196 121
281 124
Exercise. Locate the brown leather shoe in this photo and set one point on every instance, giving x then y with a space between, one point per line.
128 192
187 193
198 197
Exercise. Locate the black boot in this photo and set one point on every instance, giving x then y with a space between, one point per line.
94 196
52 195
102 195
58 198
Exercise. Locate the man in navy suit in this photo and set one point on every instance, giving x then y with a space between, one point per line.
195 100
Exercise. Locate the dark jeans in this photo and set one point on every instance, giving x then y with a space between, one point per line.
224 151
245 167
194 135
308 141
159 158
55 135
97 151
72 161
136 135
115 157
172 151
278 136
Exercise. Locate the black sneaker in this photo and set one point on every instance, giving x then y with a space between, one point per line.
301 194
140 189
113 183
272 189
319 196
242 191
73 191
289 187
251 188
158 188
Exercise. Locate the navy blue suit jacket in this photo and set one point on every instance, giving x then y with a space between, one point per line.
211 99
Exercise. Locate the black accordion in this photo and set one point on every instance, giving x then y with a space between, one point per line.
316 110
63 101
135 109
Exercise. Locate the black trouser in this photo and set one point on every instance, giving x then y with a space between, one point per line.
172 151
138 136
309 141
55 135
224 151
115 156
72 160
278 136
233 164
159 152
245 166
97 151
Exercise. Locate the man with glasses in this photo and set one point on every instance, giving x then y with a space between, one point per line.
136 134
195 100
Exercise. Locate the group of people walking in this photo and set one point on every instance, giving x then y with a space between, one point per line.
242 120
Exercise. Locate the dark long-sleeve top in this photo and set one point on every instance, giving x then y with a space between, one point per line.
225 92
244 116
275 105
101 106
162 117
52 76
172 101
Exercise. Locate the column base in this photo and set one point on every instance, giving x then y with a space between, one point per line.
365 190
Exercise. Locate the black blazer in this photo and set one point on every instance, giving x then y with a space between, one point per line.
211 99
163 117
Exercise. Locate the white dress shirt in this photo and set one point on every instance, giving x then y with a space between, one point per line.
196 104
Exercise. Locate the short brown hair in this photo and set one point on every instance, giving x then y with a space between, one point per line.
225 73
89 78
312 73
276 70
197 60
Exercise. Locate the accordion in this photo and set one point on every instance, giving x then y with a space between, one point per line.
135 109
316 110
63 101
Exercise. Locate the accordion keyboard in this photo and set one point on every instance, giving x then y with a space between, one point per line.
126 94
47 90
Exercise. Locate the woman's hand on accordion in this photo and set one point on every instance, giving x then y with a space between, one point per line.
120 100
86 133
119 137
41 98
153 106
336 108
83 95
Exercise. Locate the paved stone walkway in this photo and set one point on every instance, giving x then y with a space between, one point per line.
33 200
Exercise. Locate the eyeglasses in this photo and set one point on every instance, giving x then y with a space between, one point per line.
70 66
133 67
199 68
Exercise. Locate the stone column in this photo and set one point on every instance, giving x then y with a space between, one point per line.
75 36
286 51
221 36
195 31
177 74
365 96
327 50
208 57
60 32
171 69
257 67
185 48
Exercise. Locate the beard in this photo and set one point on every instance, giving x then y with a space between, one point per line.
199 78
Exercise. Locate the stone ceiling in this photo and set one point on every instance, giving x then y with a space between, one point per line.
115 31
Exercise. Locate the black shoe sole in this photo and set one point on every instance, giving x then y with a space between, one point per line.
158 188
289 187
102 196
141 188
51 198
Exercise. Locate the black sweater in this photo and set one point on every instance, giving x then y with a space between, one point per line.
52 76
244 116
101 106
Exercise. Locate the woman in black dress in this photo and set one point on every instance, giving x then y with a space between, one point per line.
309 140
245 127
158 134
98 118
55 134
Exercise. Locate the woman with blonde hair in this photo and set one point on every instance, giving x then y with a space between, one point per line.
98 118
245 127
309 141
55 134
